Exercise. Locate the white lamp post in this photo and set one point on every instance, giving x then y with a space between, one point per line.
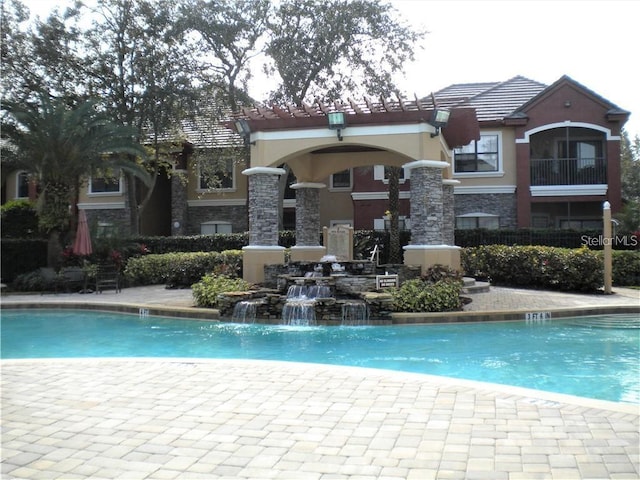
606 233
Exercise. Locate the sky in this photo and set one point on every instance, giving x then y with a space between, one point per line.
595 42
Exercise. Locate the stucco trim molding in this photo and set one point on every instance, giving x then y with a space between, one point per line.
568 191
264 170
567 123
431 247
298 185
275 248
426 163
225 202
377 195
101 206
448 181
479 189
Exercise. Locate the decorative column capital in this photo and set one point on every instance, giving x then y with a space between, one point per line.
426 163
264 170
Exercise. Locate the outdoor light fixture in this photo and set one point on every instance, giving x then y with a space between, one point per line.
244 130
439 119
337 121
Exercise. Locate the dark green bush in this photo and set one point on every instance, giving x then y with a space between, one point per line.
19 219
626 267
206 291
420 296
535 266
21 256
181 269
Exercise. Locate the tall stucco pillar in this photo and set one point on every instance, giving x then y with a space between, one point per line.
307 246
263 248
179 203
428 247
448 214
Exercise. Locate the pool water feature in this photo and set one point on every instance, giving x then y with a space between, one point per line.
564 356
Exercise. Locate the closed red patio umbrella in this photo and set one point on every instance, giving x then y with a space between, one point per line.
82 243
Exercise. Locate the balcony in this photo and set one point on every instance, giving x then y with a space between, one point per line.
547 172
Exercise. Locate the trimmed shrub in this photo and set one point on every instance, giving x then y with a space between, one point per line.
626 268
181 269
20 256
535 266
19 220
206 291
418 295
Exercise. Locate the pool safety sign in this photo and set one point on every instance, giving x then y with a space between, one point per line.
534 317
386 281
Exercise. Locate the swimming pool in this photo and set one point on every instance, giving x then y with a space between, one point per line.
580 356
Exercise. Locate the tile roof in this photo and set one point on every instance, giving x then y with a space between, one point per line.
492 100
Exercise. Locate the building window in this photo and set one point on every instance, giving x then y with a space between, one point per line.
22 185
581 224
211 228
477 220
216 174
381 172
106 230
479 156
341 180
385 223
105 184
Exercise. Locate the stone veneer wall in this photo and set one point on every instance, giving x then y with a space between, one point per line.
236 215
118 217
307 217
502 204
426 206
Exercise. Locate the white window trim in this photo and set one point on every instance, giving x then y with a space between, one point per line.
216 223
341 189
334 223
498 173
105 194
233 187
21 172
378 174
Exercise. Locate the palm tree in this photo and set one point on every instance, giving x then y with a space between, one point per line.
394 201
59 146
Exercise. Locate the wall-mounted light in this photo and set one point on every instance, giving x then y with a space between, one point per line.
337 121
439 119
244 130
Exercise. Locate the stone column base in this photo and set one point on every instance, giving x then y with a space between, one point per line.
255 257
428 255
307 253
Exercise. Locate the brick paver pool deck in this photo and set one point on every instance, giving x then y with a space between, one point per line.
190 419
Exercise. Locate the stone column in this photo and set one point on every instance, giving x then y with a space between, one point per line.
427 246
263 246
307 246
449 216
179 203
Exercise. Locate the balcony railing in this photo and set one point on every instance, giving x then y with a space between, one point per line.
568 171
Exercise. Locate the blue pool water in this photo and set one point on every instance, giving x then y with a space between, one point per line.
575 356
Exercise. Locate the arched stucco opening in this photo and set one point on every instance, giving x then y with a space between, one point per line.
398 135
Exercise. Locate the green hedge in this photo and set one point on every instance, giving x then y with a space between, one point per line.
206 291
626 268
418 295
178 270
21 256
549 267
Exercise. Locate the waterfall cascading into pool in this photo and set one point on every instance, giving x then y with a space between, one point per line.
245 311
355 313
299 309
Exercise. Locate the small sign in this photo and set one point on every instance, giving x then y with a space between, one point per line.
534 317
386 281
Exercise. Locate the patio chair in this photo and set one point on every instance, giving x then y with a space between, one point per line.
50 279
107 276
74 278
